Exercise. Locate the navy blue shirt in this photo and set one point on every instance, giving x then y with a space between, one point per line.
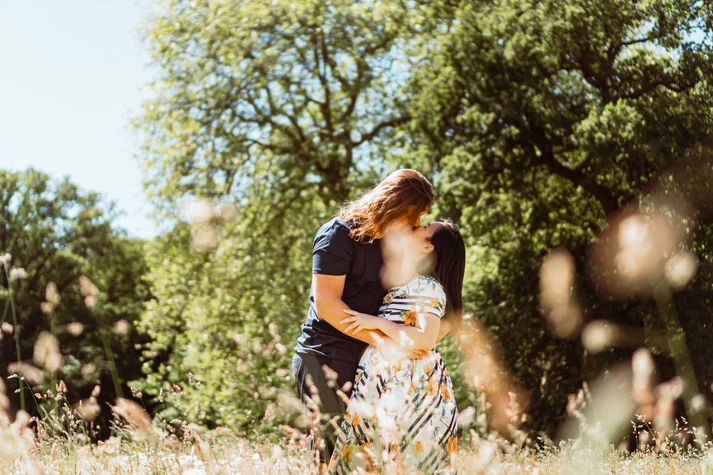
335 253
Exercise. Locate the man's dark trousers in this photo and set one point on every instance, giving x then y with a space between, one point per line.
332 405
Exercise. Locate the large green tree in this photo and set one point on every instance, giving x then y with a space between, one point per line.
541 119
56 233
284 110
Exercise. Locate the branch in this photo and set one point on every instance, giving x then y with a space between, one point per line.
600 192
376 130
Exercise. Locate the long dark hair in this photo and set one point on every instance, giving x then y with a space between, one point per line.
449 269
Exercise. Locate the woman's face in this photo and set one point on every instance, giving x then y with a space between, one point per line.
405 224
421 236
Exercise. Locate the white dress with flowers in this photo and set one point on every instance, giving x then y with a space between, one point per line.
402 414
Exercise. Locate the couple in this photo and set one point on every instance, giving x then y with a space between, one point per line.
384 291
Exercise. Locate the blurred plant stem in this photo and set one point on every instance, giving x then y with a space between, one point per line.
678 349
16 331
112 363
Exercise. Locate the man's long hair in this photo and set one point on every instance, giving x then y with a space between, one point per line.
403 195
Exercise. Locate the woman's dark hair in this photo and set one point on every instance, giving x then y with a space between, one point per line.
449 269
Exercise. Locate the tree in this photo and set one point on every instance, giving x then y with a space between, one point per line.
57 233
541 119
310 90
284 111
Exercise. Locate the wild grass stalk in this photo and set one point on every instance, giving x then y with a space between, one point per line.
16 328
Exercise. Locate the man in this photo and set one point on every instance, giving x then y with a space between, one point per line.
346 266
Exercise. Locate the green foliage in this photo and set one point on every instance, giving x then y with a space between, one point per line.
57 233
549 116
535 119
308 90
285 110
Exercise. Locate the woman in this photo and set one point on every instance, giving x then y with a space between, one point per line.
346 274
402 412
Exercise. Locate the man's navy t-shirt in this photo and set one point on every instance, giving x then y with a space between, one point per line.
335 253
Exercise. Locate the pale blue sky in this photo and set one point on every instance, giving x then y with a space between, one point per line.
72 75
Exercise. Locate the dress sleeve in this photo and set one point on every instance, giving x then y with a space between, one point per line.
332 250
431 297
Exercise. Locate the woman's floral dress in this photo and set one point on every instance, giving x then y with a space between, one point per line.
402 414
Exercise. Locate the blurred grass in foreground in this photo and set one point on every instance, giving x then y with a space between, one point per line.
223 453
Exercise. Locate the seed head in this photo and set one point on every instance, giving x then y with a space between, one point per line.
52 294
75 328
17 273
133 413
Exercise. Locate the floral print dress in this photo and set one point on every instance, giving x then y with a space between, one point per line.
402 414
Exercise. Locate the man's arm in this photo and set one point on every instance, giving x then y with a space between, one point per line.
330 307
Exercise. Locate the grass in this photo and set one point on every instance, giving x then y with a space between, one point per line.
138 452
60 440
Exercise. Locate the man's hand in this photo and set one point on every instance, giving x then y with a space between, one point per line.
360 321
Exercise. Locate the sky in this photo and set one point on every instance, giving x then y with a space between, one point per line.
72 74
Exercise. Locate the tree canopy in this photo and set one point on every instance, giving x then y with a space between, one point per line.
54 236
537 121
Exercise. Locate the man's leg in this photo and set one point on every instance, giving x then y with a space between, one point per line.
311 379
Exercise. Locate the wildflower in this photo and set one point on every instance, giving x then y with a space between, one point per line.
46 352
133 413
32 374
272 328
199 211
90 301
4 404
121 327
329 373
680 269
6 258
17 273
75 328
599 335
52 294
465 418
228 212
204 238
560 308
7 328
88 369
88 409
86 287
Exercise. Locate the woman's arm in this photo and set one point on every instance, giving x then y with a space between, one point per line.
329 306
423 336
